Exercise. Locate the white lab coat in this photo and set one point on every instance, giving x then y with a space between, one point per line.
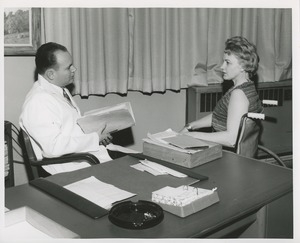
52 125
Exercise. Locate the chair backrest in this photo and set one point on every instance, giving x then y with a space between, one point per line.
28 146
33 172
248 136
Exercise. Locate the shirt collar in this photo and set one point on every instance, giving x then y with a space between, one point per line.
49 86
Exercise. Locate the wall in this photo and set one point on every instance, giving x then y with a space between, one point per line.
153 113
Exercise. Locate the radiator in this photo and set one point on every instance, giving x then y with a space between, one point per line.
208 97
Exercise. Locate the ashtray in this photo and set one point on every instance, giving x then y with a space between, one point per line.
136 215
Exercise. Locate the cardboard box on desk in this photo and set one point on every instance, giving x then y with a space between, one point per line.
189 160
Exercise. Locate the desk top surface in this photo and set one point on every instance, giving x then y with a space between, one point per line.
244 186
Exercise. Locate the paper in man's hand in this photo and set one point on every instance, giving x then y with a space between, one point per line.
116 118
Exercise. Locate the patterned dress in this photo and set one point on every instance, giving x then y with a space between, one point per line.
219 116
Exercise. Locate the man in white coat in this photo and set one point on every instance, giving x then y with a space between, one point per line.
49 115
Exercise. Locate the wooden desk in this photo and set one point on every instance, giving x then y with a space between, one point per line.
244 186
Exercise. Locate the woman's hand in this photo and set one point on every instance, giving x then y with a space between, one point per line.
205 121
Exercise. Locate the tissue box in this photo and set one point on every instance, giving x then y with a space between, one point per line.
200 157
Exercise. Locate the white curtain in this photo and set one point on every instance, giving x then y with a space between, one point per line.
167 44
98 40
155 49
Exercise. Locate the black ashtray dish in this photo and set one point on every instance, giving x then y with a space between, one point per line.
136 215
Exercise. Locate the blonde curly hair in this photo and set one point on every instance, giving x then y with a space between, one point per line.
246 53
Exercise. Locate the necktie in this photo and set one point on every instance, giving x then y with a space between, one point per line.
67 98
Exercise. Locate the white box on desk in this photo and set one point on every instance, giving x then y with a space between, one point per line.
26 223
193 207
214 151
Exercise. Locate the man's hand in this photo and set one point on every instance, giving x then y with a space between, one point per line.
183 130
104 138
186 128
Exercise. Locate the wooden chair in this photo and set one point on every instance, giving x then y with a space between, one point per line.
34 167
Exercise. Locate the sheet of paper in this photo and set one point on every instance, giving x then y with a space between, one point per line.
114 147
162 169
186 142
184 145
98 192
159 137
143 168
156 169
165 145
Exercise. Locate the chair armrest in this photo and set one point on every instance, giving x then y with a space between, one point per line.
90 158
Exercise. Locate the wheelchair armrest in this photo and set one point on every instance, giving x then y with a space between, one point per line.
90 158
272 154
254 115
270 102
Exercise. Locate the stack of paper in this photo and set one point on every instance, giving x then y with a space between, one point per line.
157 169
115 118
176 141
98 192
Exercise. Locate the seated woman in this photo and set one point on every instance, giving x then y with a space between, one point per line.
240 64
